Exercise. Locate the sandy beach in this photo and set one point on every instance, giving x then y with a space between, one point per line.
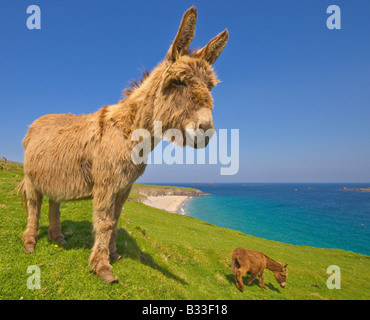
169 203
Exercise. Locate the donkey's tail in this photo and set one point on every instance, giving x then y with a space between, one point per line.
235 263
21 189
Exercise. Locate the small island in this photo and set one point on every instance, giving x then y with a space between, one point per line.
356 189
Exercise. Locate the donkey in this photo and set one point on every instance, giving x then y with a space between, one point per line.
254 263
70 157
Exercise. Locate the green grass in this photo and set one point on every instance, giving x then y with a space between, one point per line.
137 186
164 256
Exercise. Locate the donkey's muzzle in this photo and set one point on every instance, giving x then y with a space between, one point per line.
199 138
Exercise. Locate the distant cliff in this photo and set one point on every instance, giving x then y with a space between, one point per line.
152 190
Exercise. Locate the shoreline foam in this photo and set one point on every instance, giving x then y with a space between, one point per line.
181 207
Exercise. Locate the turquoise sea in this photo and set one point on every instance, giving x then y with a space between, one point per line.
319 215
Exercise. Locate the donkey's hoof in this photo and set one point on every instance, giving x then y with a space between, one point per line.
107 276
30 247
60 240
115 256
57 237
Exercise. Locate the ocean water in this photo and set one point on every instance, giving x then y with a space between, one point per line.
319 215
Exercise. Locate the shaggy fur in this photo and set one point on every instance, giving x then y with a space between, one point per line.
69 157
254 263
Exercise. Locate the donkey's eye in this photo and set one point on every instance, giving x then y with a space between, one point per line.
178 83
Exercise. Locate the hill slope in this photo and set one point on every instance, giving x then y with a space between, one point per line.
164 256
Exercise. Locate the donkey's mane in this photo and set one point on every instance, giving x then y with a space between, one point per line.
276 264
134 84
272 260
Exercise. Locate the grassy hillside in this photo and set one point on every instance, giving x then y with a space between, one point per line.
165 256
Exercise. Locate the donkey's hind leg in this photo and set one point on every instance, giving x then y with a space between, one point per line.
251 279
239 273
34 201
55 229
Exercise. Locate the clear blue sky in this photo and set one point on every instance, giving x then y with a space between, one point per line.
298 92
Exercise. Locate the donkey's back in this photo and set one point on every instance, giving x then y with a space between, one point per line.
251 260
58 155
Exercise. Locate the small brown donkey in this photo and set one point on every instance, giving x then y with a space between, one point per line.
254 263
69 157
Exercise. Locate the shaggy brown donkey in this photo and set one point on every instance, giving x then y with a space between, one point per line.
254 263
69 157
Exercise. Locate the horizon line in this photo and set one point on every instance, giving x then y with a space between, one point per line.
245 182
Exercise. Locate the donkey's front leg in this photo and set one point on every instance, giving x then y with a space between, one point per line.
120 200
104 224
262 281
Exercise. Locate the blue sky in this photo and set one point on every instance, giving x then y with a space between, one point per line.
297 91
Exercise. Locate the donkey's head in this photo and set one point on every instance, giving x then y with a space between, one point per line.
281 275
183 98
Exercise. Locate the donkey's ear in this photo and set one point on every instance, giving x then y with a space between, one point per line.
184 36
214 47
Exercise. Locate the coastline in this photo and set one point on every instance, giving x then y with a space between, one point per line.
181 207
170 199
172 204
